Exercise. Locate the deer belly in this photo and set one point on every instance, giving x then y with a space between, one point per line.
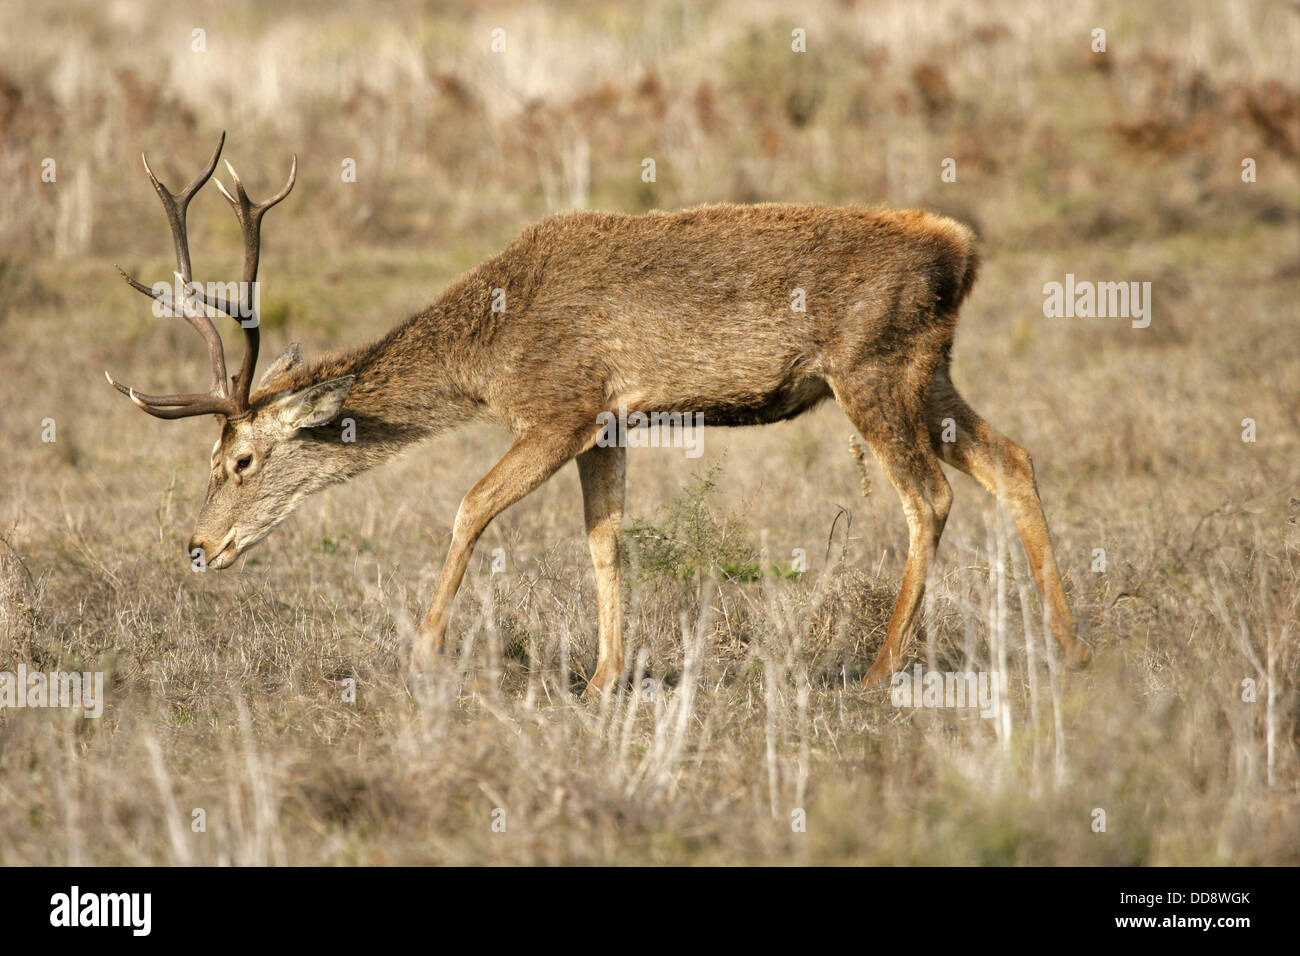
731 405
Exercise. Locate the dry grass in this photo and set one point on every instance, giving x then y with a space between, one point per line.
225 691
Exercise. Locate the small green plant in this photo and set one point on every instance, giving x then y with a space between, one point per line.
693 536
778 570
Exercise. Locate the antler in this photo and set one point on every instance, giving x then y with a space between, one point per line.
229 400
250 221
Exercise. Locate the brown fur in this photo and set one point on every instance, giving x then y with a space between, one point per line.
655 310
676 312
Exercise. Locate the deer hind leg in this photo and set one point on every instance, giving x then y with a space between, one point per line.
1007 472
526 464
898 438
603 473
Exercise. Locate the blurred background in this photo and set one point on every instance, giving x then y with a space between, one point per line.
1053 143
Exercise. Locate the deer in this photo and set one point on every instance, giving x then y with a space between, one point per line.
682 312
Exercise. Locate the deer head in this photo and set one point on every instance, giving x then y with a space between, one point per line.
263 462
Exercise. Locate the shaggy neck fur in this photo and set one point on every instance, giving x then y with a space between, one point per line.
406 390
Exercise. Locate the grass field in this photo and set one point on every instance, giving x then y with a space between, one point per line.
744 736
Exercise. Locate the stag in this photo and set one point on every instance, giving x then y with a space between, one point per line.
678 313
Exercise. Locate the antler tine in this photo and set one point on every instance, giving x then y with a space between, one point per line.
174 406
197 320
250 215
217 400
176 205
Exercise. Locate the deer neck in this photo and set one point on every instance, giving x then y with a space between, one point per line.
408 388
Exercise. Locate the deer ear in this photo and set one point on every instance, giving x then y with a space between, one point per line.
315 405
291 357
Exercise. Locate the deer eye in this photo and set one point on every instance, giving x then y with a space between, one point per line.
243 463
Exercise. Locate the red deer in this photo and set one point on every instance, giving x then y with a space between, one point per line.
686 312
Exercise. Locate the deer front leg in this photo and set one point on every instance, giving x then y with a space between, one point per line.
529 461
603 472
